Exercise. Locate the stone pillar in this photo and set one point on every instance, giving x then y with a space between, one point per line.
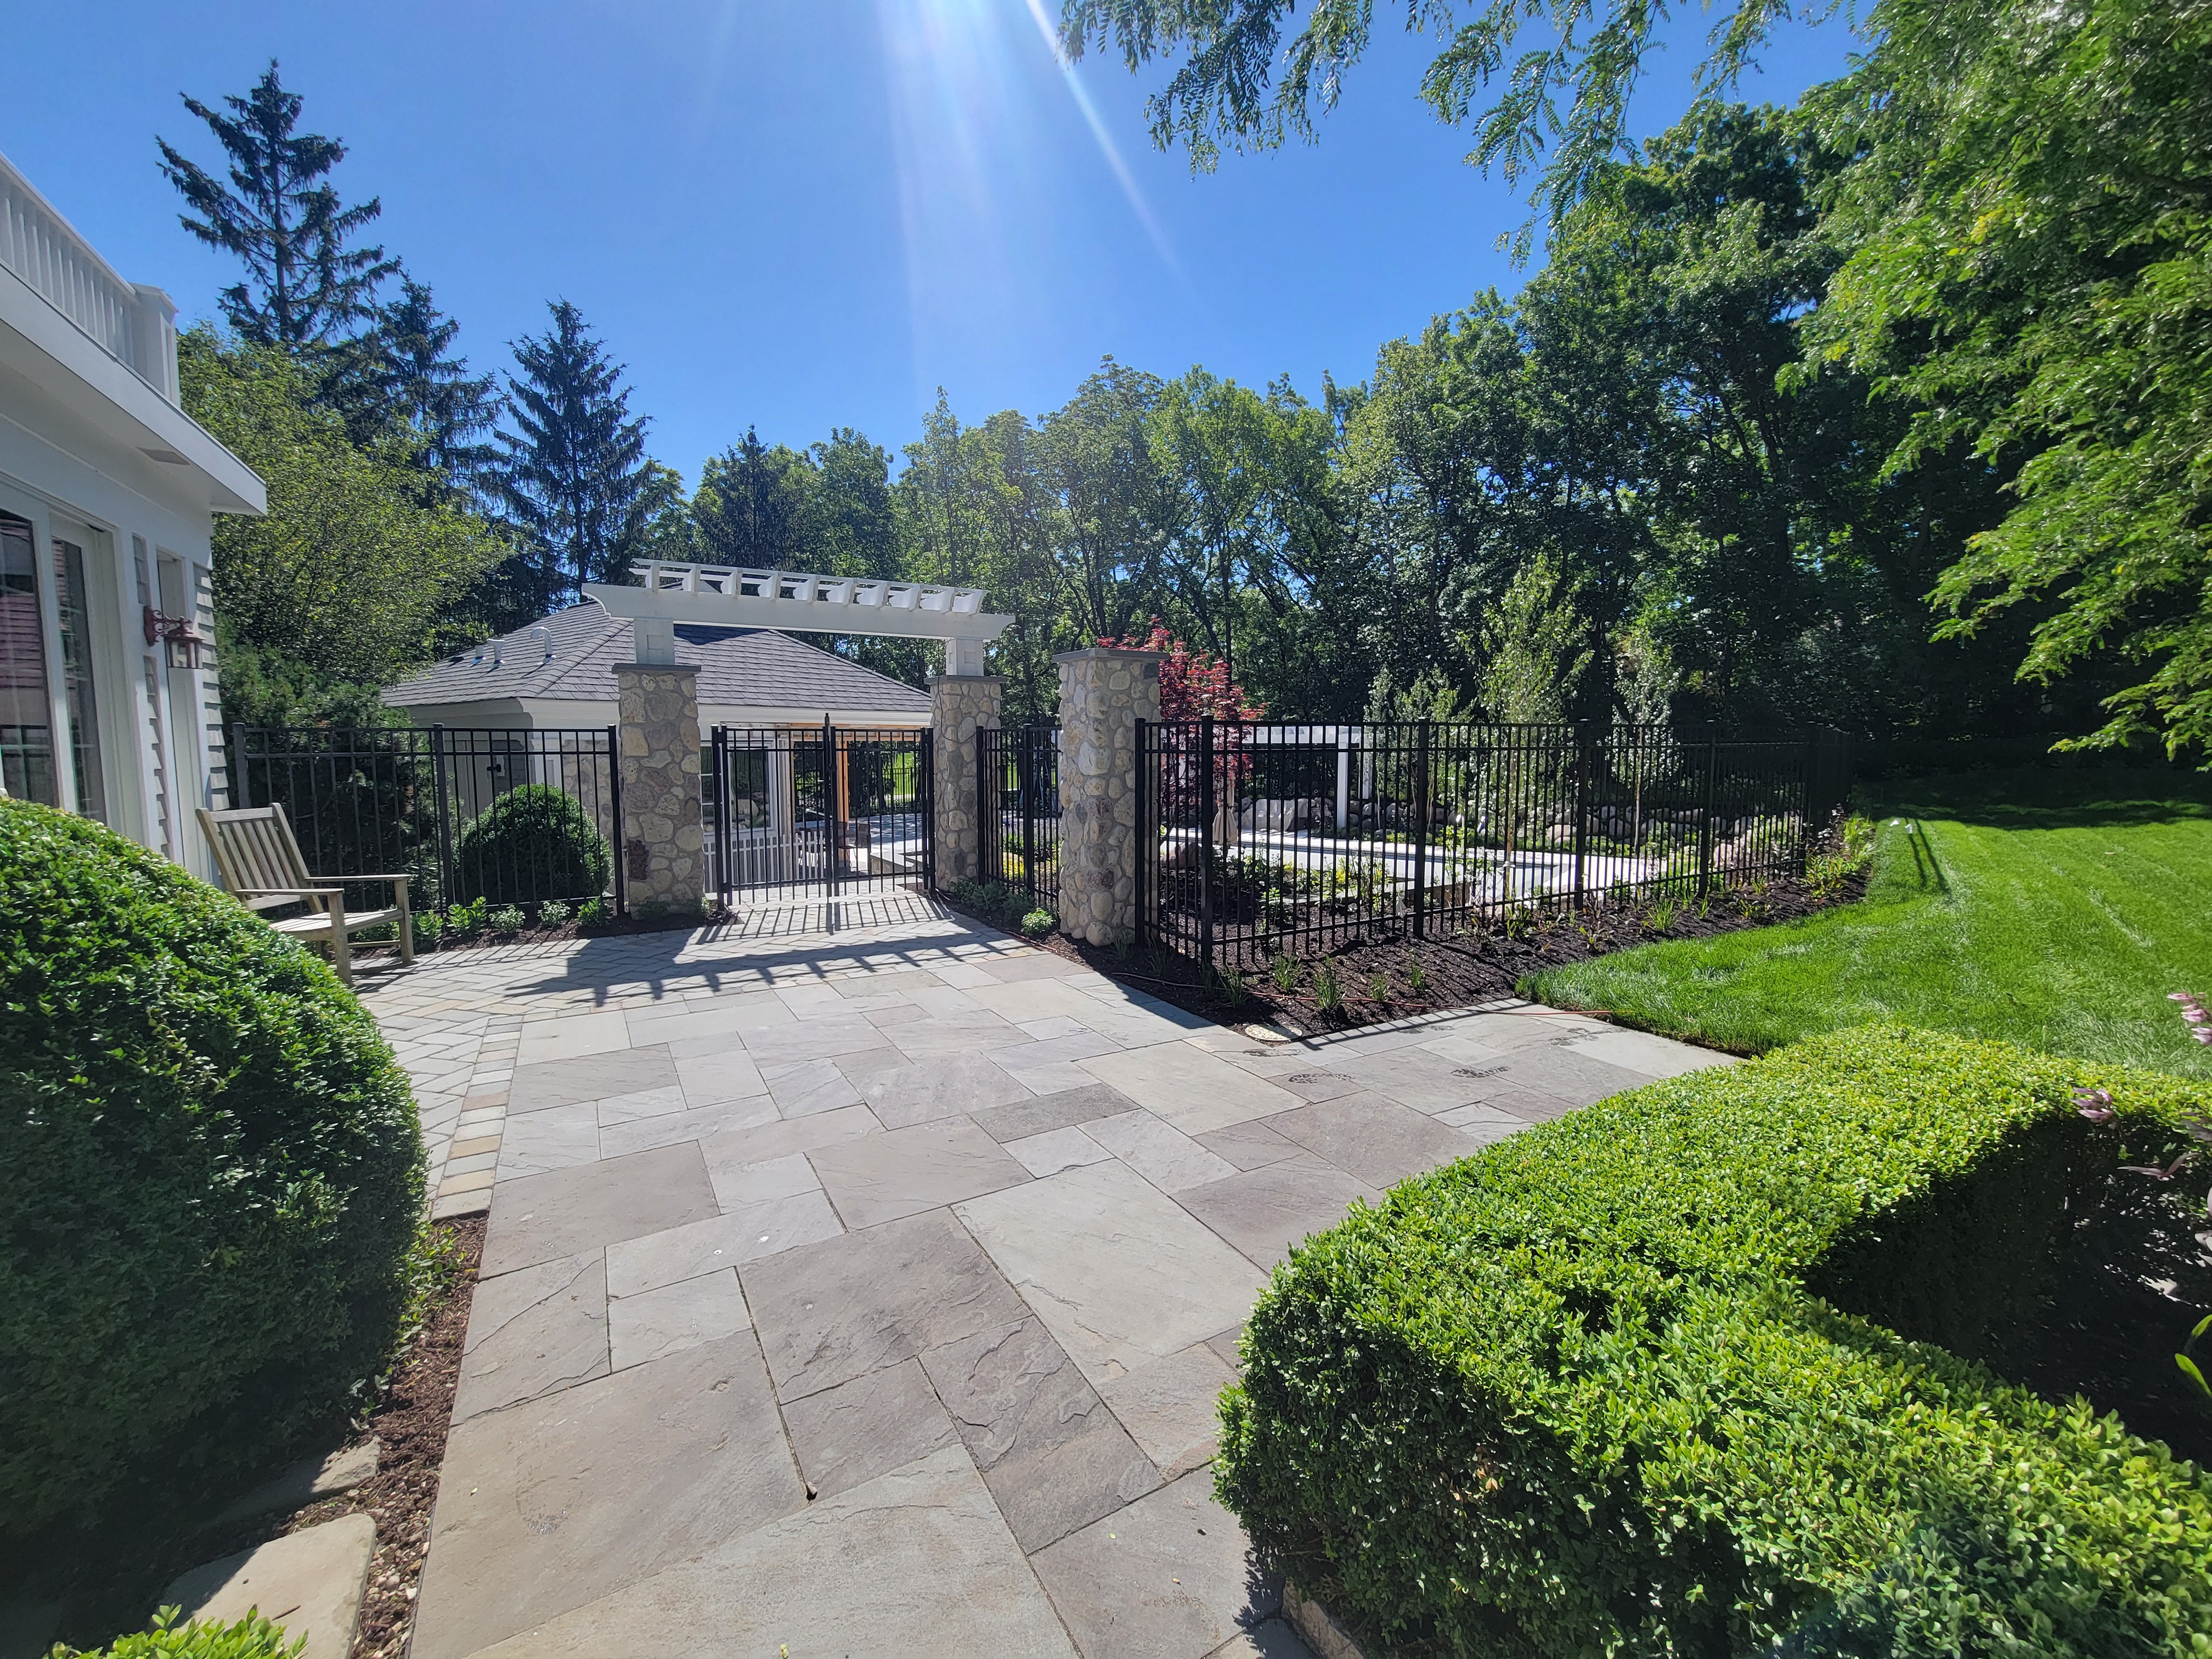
664 850
1103 696
960 705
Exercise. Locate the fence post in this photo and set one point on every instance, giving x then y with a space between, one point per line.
1025 765
615 803
442 805
1582 804
1421 835
833 801
1205 841
925 801
1706 810
1810 797
721 739
238 761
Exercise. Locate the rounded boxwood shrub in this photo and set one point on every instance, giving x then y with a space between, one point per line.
534 842
213 1169
1695 1372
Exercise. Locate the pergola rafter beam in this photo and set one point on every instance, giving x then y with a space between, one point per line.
727 596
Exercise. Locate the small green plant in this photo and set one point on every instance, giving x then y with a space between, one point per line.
650 910
1516 922
1039 923
506 921
252 1638
1415 976
1328 990
1378 988
430 928
594 913
554 913
1285 973
1662 916
467 920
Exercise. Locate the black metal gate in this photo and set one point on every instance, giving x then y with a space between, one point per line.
513 817
1017 809
819 812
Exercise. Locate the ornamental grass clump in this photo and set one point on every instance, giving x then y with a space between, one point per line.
1699 1370
214 1172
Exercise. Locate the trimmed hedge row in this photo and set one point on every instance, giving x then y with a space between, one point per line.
1683 1374
213 1173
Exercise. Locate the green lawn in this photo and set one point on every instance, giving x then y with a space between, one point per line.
2051 908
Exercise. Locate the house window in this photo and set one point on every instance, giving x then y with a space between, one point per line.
76 677
27 736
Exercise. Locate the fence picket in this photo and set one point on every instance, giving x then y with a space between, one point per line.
1258 838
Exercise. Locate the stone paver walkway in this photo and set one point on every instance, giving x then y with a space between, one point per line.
866 1289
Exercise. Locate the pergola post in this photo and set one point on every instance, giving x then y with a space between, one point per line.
663 848
960 705
1103 695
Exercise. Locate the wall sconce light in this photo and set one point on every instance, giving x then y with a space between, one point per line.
175 632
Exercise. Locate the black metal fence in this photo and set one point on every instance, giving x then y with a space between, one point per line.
818 811
1256 839
1017 810
511 817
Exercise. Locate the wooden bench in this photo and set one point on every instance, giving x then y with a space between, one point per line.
260 863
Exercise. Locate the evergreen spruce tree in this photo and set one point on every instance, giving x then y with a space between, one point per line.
751 505
306 283
419 379
572 472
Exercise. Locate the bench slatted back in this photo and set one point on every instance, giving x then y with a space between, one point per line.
254 847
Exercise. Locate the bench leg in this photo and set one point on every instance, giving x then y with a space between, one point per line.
341 947
406 920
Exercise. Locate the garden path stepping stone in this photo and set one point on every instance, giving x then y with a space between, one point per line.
592 1077
542 1507
1266 1211
832 1312
1169 1578
1117 1270
532 1331
917 1561
311 1582
539 1217
867 1427
880 1178
1054 1456
1378 1141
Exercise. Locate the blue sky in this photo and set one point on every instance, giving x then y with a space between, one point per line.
802 214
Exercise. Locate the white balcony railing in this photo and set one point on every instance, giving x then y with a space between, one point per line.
131 322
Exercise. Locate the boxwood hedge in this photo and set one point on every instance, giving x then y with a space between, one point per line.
213 1172
1690 1372
535 841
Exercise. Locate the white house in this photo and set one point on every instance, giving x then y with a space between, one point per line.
108 492
559 673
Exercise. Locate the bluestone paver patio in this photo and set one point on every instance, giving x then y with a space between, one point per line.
861 1282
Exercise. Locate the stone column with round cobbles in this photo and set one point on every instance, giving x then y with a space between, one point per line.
960 705
664 850
1103 696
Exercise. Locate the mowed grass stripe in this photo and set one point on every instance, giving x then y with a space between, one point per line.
2050 908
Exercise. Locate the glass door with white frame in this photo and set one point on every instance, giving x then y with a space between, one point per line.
27 733
77 677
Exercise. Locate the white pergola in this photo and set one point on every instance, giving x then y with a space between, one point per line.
725 596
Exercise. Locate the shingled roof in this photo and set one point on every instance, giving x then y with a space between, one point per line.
738 666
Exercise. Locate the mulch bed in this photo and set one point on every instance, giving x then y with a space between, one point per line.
107 1580
410 1426
1474 966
